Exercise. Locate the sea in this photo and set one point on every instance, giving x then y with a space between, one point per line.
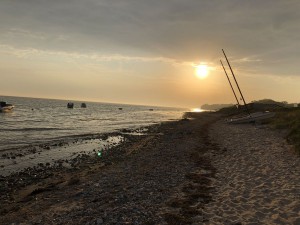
36 121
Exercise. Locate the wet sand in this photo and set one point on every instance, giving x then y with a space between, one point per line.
196 171
51 154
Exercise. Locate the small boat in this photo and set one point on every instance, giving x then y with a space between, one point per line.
120 108
4 107
70 105
150 109
252 118
83 105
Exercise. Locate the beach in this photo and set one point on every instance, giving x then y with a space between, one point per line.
198 170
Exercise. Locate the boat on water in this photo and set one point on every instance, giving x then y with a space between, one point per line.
83 105
252 118
4 107
70 105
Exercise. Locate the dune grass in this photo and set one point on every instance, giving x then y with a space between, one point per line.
288 119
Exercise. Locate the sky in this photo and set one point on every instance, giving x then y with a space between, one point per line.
147 52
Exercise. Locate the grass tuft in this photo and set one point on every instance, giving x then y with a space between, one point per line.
289 119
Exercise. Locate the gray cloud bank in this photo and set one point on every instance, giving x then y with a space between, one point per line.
265 31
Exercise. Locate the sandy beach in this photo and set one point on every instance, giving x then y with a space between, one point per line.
199 170
257 179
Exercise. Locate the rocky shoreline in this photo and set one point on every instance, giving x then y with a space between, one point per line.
182 172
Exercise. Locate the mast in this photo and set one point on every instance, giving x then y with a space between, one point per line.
236 83
230 84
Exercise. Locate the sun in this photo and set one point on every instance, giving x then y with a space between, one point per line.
202 71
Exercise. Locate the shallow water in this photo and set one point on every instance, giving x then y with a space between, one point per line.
55 153
36 121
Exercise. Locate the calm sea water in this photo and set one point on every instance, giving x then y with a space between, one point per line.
36 121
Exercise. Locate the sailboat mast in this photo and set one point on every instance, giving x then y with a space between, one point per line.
230 84
236 83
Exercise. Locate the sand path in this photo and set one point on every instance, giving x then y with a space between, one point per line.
257 179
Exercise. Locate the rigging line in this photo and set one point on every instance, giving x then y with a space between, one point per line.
230 84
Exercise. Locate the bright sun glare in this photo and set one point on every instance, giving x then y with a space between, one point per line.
201 71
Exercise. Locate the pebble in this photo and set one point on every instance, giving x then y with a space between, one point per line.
99 221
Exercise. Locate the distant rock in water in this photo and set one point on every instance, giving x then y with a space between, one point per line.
83 105
70 105
215 106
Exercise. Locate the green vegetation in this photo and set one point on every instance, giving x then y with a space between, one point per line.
229 111
288 119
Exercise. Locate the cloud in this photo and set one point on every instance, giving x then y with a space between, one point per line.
174 30
27 53
13 32
153 38
181 29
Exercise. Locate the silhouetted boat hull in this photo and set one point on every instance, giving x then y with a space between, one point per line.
253 117
4 107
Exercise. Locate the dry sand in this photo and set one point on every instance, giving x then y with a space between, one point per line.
187 172
257 179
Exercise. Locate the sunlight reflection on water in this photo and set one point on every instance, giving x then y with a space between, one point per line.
197 110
